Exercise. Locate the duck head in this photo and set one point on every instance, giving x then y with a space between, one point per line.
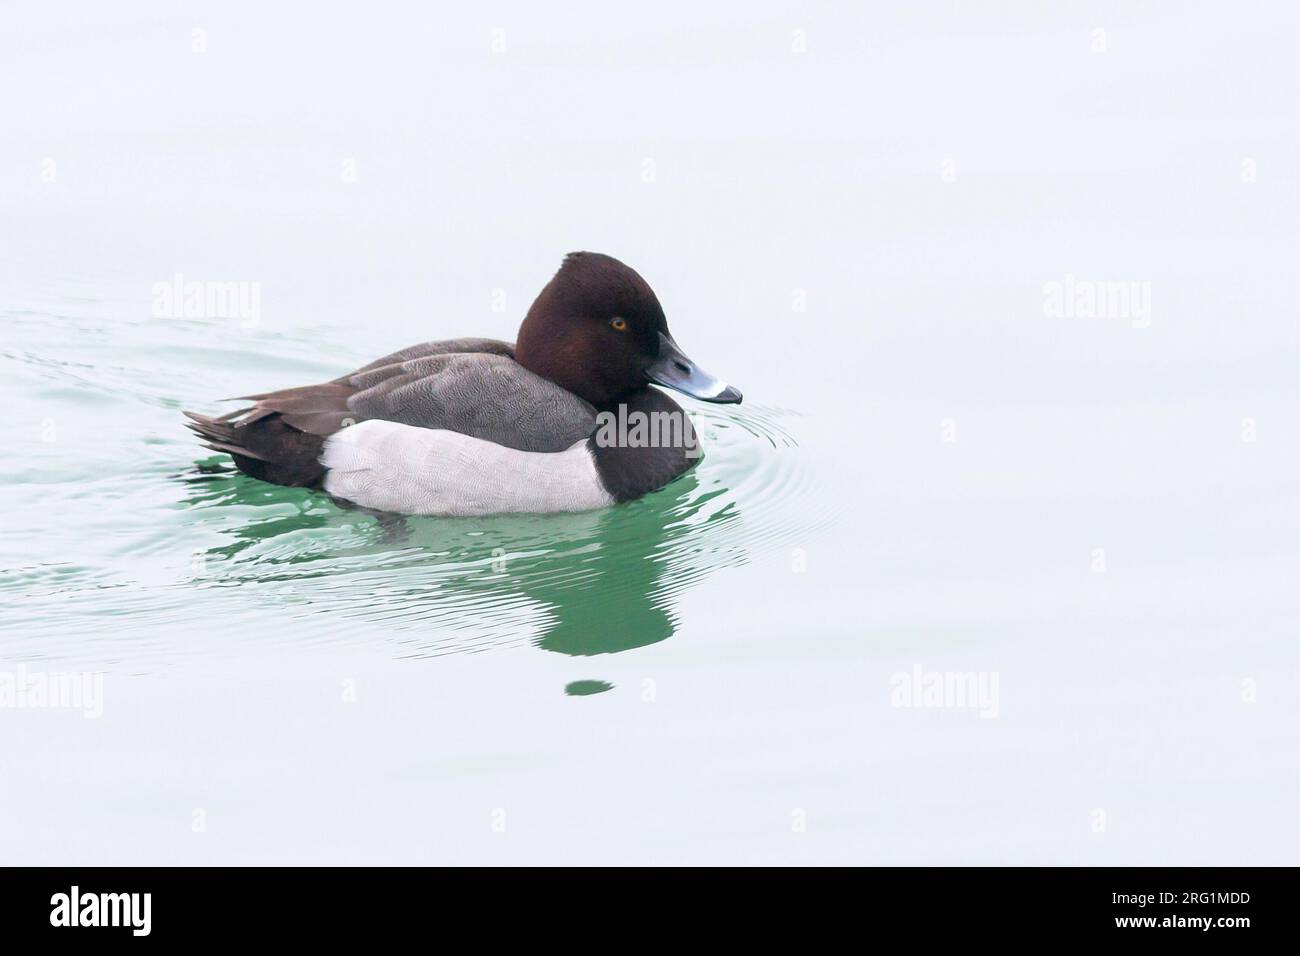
598 331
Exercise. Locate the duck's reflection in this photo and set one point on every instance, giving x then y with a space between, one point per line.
624 603
583 584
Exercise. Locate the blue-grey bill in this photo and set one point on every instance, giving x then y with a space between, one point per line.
673 369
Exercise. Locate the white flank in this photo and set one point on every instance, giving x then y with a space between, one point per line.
388 466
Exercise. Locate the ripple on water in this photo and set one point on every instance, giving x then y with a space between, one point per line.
288 565
580 584
131 552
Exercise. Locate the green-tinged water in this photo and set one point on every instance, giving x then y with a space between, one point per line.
970 577
151 531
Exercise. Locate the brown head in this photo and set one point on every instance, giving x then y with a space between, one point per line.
597 330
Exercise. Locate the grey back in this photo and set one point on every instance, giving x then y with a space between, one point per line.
485 394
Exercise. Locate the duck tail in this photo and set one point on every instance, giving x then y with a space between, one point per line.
262 445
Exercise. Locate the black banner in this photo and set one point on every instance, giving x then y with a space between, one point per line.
334 906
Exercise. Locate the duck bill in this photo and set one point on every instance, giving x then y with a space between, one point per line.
673 369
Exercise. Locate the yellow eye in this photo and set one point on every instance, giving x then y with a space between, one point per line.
620 324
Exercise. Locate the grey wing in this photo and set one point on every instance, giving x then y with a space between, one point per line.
443 347
488 396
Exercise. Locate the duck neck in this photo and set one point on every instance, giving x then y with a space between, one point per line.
643 440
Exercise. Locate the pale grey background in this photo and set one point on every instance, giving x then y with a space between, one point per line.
775 171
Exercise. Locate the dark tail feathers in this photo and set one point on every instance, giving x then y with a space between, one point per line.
263 445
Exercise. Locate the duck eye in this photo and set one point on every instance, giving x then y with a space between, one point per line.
620 324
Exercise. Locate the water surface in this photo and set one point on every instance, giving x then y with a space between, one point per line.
931 472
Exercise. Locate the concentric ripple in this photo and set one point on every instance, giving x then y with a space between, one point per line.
581 584
136 535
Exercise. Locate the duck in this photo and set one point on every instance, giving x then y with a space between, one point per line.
570 417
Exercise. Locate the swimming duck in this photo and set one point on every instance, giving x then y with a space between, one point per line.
565 419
